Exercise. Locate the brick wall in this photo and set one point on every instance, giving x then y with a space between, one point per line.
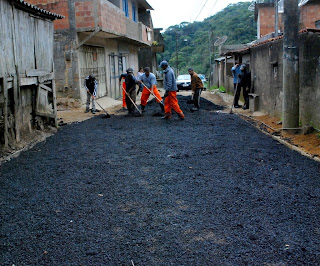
309 14
84 13
55 6
111 18
266 15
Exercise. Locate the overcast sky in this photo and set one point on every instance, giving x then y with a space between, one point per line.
172 12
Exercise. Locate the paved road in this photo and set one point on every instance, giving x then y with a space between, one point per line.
209 190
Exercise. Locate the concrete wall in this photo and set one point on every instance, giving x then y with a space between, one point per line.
310 79
267 77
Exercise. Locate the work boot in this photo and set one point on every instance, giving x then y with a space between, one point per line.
162 107
87 111
181 115
167 116
93 111
142 108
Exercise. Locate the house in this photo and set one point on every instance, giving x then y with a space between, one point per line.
265 61
102 37
265 15
27 88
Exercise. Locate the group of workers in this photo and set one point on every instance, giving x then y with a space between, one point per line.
148 85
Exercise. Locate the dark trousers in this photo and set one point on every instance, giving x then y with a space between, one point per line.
130 105
196 98
237 90
246 97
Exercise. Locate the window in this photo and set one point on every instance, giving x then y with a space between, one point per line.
134 16
125 7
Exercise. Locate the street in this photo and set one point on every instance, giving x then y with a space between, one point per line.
207 190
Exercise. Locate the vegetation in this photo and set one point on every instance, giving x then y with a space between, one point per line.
235 21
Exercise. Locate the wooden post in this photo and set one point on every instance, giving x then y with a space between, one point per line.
16 107
54 102
5 111
54 97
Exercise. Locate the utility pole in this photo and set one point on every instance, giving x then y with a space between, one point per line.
290 111
177 54
276 17
210 32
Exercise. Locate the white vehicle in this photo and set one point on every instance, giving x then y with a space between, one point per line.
184 82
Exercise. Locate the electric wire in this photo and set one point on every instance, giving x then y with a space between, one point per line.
209 14
201 10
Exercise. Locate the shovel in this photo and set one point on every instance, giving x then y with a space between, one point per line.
106 115
131 100
152 93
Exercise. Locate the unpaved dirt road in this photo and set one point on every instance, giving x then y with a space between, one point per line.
209 190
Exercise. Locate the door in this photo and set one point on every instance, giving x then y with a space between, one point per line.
92 61
118 65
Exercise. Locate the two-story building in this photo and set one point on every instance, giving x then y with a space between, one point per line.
265 15
102 37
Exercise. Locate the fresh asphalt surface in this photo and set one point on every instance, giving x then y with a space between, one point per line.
209 190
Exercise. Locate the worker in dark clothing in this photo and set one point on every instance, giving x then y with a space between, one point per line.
91 85
245 85
196 87
130 82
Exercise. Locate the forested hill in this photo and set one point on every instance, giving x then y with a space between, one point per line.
235 21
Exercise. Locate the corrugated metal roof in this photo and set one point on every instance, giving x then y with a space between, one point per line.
35 9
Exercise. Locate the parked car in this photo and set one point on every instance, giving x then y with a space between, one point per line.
204 81
184 82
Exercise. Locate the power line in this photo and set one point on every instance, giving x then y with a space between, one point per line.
201 10
212 8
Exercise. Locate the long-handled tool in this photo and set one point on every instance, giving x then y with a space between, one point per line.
107 115
131 100
152 93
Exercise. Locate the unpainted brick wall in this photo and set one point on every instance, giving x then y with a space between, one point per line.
55 6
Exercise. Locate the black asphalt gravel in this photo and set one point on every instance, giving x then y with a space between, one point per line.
208 190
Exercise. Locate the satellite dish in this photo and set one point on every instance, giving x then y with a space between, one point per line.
220 41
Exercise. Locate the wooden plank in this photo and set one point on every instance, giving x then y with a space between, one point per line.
5 111
37 72
45 115
54 99
42 79
16 90
28 81
45 87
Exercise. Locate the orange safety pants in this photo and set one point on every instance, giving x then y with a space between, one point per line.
171 101
124 104
145 95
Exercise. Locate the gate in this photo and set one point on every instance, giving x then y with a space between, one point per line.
92 61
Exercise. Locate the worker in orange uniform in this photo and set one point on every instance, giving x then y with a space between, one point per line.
149 79
170 86
124 104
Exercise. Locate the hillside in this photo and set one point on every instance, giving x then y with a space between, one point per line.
235 21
